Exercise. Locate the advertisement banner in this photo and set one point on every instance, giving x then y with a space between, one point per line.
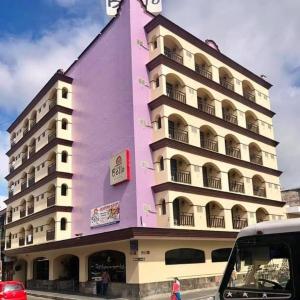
105 215
120 167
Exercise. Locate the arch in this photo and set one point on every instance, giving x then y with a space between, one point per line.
66 267
63 224
211 176
174 80
252 121
226 78
220 255
64 93
248 90
64 157
29 235
232 146
255 154
208 138
203 65
178 128
173 49
262 215
112 261
64 124
171 42
175 88
183 212
184 256
41 268
259 186
229 112
236 181
239 216
180 169
215 215
206 101
64 189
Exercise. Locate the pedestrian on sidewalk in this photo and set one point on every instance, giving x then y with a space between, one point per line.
176 290
104 284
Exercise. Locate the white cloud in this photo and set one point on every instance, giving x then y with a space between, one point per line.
255 34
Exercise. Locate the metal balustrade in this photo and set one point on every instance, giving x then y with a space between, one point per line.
230 118
202 71
239 223
176 95
185 219
209 109
179 135
226 84
213 182
181 176
209 144
216 221
233 151
235 186
173 55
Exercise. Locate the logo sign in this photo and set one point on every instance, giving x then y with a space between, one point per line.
120 168
105 215
153 6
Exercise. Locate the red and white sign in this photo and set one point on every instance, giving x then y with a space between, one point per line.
105 215
120 167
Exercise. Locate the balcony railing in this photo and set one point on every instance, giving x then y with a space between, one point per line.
256 158
51 136
31 152
10 193
52 104
11 168
24 158
30 210
8 244
51 200
216 221
209 109
230 118
176 95
185 219
202 71
239 223
33 123
253 127
23 185
237 187
213 182
173 55
249 96
226 84
233 151
51 168
181 176
9 218
25 131
209 144
179 135
22 213
50 235
262 219
21 241
259 191
31 180
29 240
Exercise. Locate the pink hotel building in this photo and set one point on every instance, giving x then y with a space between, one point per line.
194 132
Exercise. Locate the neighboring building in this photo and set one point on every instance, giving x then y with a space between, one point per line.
292 199
201 163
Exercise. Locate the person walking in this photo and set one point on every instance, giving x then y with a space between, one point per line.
105 282
176 290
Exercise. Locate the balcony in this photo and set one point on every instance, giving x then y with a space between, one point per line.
173 55
22 213
185 219
23 185
249 96
51 136
202 71
51 200
31 152
239 223
21 241
12 142
10 193
24 158
8 244
181 176
233 152
207 108
227 85
230 118
176 95
213 182
9 218
216 222
31 180
179 135
33 123
237 187
256 159
52 104
51 168
209 144
50 235
259 191
253 127
11 168
29 240
30 210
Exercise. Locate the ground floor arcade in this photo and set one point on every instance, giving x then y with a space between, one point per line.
140 262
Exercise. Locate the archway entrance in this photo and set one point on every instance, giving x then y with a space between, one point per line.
41 268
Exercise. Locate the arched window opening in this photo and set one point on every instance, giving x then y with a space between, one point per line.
220 255
184 256
173 49
65 93
239 217
215 215
208 138
63 224
161 164
183 213
211 176
180 169
159 122
64 124
178 128
64 157
64 189
163 207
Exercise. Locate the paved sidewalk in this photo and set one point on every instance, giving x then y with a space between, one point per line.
186 295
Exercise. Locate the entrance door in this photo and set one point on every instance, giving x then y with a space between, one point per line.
176 211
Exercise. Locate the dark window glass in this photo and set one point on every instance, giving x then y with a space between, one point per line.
161 164
64 190
63 224
220 255
64 124
159 123
65 93
184 256
163 207
64 156
157 82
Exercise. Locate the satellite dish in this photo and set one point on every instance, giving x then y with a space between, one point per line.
212 44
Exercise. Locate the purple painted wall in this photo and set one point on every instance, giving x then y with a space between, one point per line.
108 103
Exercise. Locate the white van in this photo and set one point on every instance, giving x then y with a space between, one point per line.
264 263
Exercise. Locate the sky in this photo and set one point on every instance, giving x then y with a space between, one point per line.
38 37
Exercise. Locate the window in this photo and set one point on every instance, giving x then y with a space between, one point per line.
64 190
65 93
64 124
184 256
63 224
157 82
64 156
155 44
159 123
220 255
163 207
161 164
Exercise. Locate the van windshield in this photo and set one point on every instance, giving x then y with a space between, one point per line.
260 271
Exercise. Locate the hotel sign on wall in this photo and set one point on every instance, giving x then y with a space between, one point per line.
120 167
153 6
105 215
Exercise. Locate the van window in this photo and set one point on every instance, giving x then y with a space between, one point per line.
260 271
13 287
